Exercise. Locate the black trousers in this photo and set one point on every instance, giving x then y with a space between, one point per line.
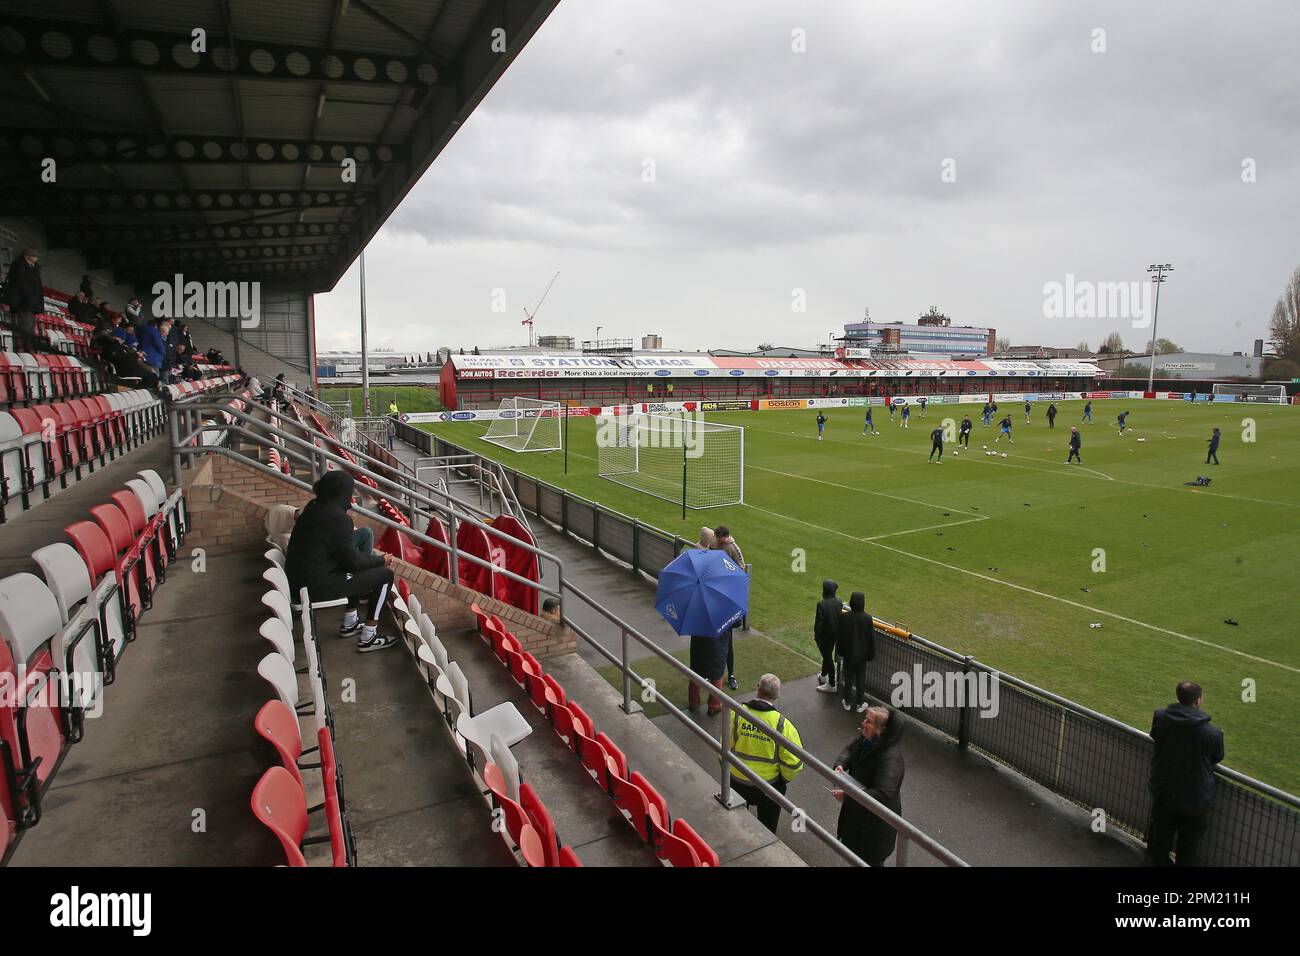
853 683
370 586
828 659
25 328
936 446
964 439
1172 828
1074 456
767 810
1213 454
1051 421
731 654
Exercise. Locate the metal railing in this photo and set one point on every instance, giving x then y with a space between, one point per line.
187 428
1089 759
495 491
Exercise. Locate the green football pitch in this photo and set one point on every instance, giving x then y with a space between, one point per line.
1002 558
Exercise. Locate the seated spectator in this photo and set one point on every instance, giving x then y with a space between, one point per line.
133 308
323 557
79 308
551 609
122 360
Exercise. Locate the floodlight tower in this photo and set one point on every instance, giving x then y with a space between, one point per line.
1157 276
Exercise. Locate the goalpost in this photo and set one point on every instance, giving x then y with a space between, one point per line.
679 458
527 424
1268 394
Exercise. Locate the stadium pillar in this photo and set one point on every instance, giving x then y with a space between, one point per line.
365 354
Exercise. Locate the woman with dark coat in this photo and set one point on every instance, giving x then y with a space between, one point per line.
875 761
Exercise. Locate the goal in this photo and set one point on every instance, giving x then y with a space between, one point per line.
1268 394
679 458
527 424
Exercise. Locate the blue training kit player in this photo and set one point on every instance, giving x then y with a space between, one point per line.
921 401
821 425
869 425
1027 411
987 414
936 444
1087 413
1214 448
1005 425
1122 423
907 413
963 437
1075 441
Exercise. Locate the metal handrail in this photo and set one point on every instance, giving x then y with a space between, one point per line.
182 447
492 471
906 830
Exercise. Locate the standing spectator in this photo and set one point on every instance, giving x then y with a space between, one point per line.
875 762
708 540
857 647
278 389
153 342
25 296
1187 746
133 308
772 763
708 660
1051 415
322 556
826 631
87 287
1214 448
726 543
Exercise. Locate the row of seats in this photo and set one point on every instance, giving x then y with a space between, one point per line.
484 739
185 389
27 377
44 446
673 841
279 799
61 639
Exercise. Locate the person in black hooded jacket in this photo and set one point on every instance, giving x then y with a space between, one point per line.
875 761
826 632
1187 746
323 557
857 646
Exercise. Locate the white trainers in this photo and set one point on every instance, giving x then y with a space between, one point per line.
862 707
847 705
826 688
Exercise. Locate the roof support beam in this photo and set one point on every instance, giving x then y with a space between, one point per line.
51 43
154 202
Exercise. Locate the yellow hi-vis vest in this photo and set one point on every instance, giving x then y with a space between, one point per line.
757 750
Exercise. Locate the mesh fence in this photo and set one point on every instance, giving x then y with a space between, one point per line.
526 424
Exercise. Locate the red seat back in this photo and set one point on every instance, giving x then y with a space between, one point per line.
706 854
542 823
277 725
278 802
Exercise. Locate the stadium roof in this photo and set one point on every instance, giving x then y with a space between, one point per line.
227 163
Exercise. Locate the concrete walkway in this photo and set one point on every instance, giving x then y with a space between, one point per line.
986 814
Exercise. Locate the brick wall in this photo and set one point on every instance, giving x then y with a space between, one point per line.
228 504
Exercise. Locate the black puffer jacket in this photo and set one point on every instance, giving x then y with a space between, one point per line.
1187 748
877 766
321 551
830 612
857 642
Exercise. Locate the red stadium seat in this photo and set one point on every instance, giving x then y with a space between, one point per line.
706 855
618 762
540 818
278 803
278 725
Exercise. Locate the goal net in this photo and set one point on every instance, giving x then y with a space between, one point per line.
678 458
1268 394
526 424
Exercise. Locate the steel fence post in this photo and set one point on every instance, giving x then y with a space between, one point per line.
629 705
963 720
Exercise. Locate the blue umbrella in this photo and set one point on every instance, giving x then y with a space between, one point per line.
702 593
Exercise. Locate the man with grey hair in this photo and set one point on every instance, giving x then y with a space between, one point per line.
769 761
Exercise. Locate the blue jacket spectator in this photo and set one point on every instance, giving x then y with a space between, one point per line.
153 343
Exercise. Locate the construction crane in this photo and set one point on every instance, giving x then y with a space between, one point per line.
528 316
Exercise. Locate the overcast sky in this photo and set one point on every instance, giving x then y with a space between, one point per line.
775 170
